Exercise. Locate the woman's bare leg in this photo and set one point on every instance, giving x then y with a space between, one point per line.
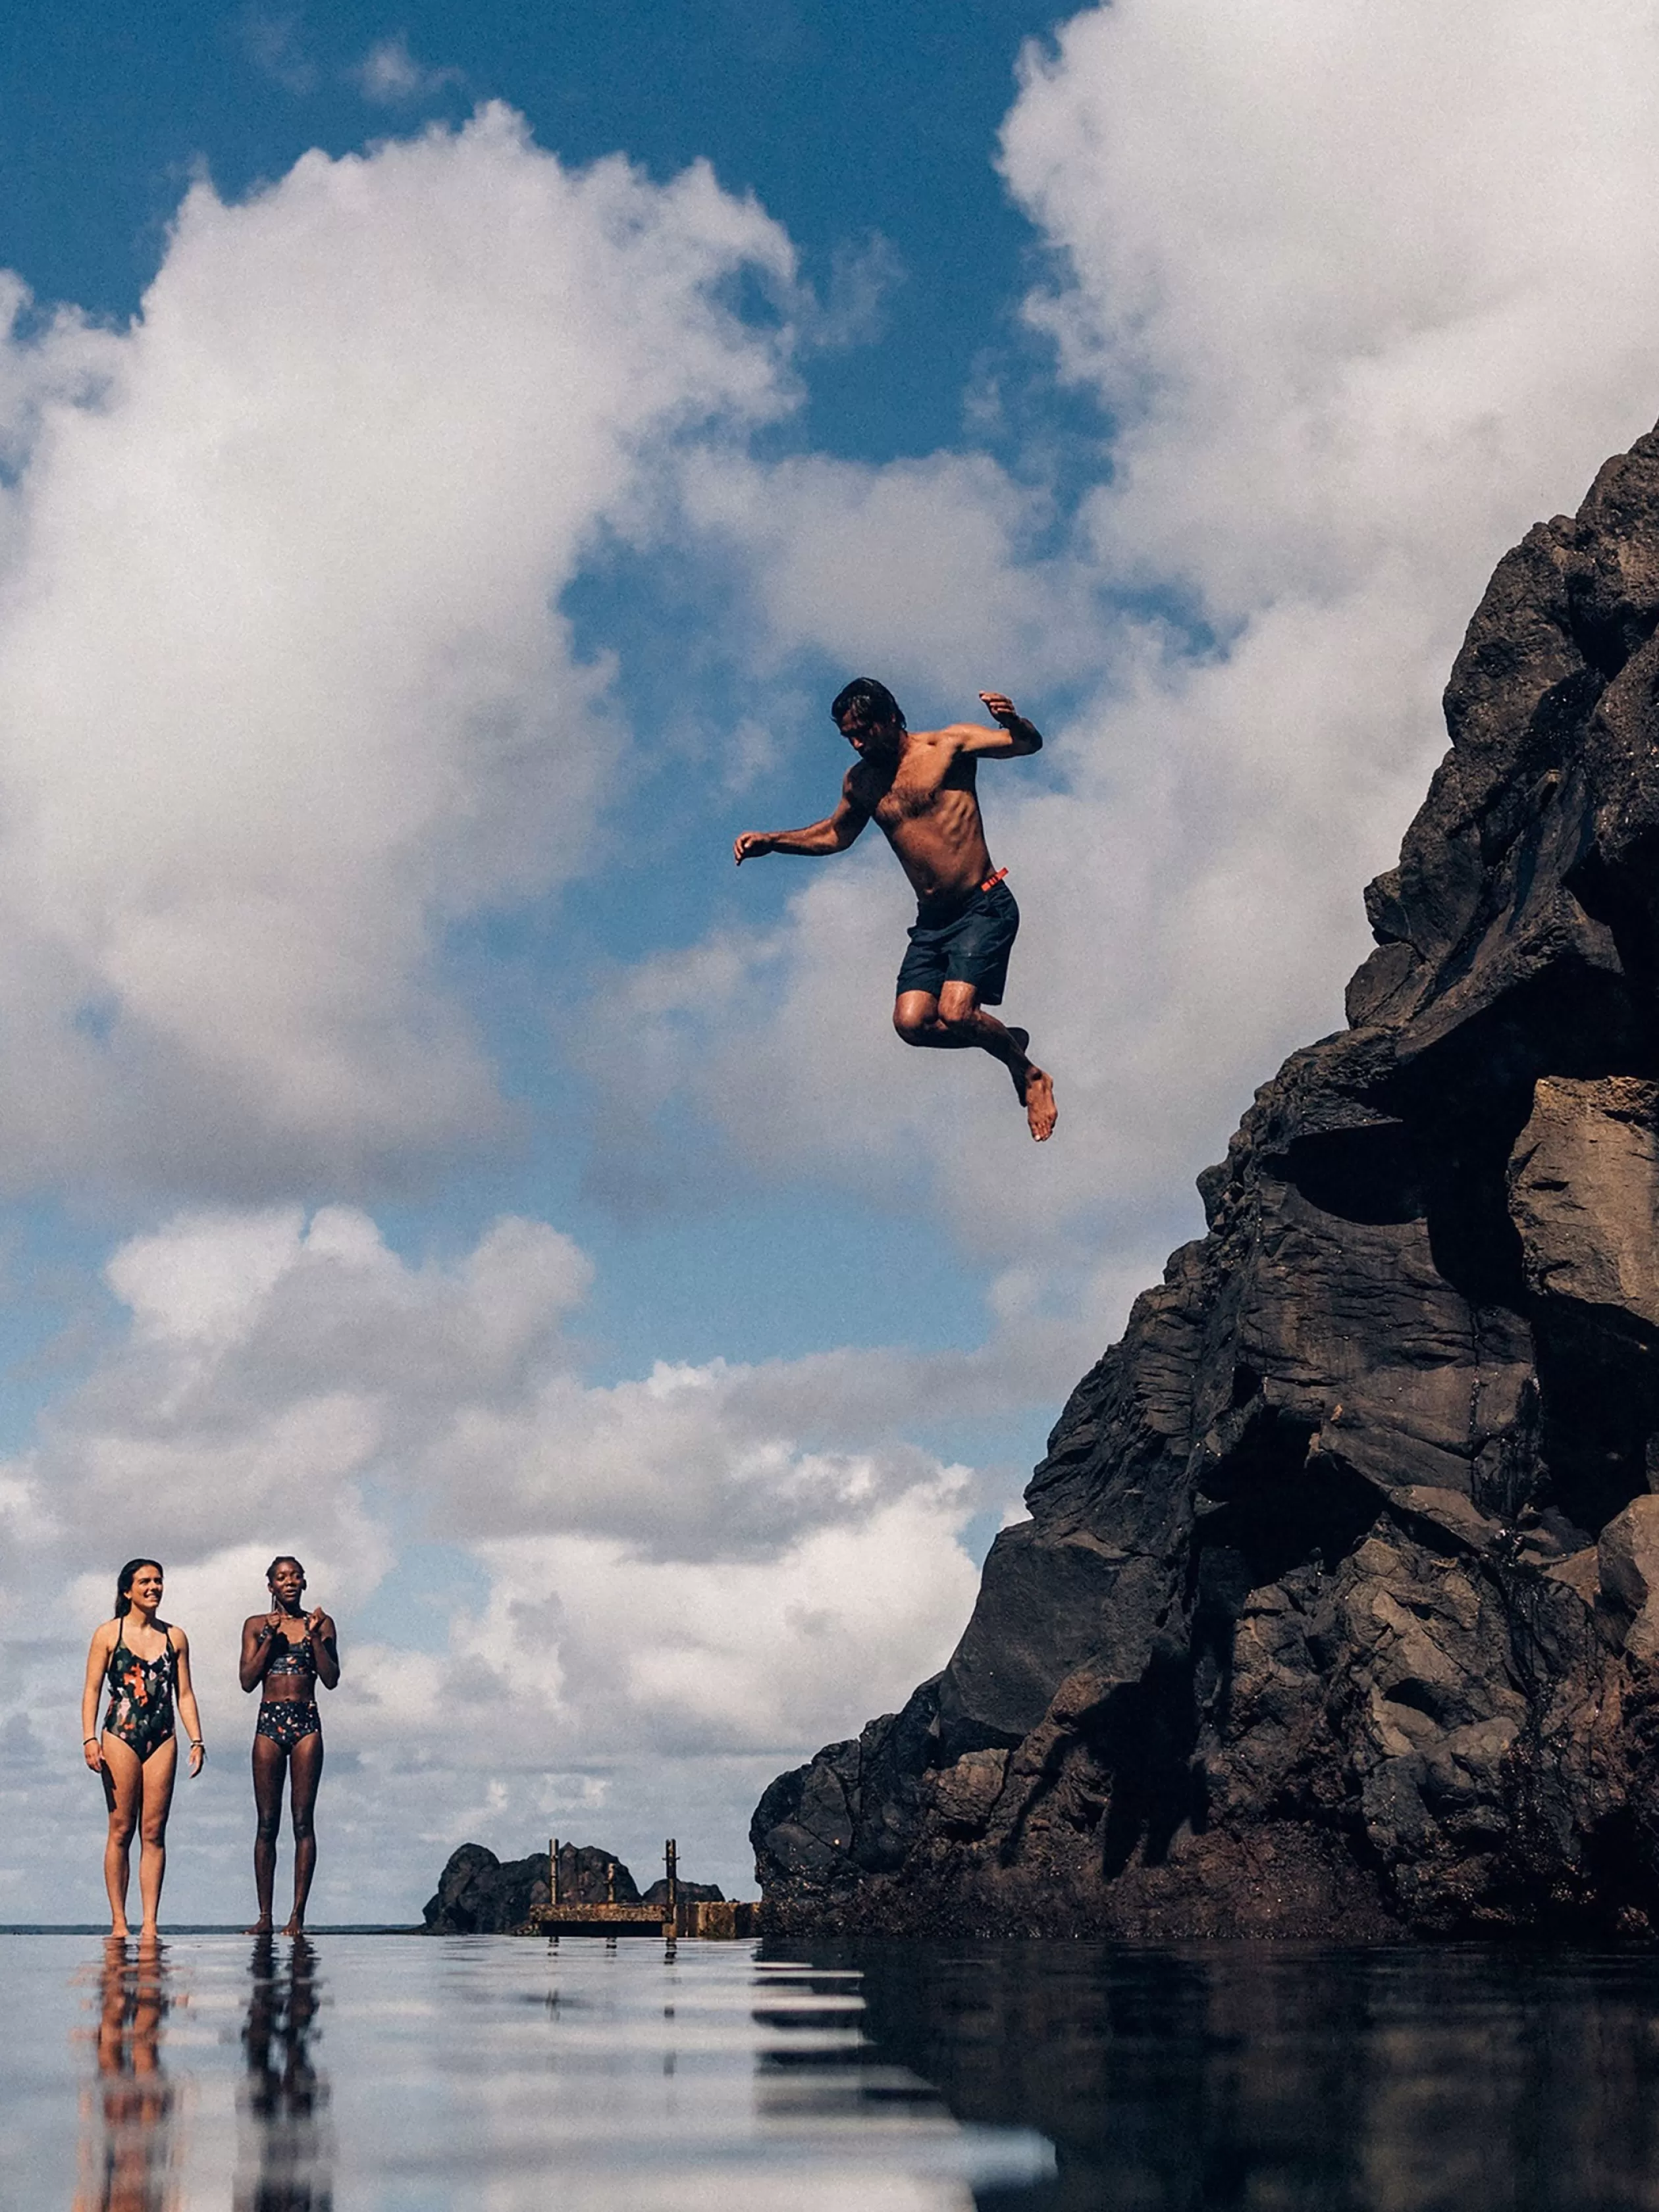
124 1782
304 1773
158 1771
269 1764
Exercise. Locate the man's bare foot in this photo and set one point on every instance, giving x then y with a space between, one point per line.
1033 1088
1040 1112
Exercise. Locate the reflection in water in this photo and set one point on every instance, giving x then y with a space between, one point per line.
820 2080
876 2077
127 2114
1196 2079
285 2163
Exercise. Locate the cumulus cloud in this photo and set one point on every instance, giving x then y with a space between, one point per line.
1355 287
718 1559
928 567
1354 293
284 688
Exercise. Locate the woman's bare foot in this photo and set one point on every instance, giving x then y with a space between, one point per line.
119 1932
1040 1112
295 1926
261 1927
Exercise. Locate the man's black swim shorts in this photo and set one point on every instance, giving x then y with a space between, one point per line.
962 941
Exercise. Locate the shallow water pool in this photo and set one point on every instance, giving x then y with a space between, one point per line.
399 2071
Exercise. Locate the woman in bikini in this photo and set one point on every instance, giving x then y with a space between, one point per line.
285 1654
147 1666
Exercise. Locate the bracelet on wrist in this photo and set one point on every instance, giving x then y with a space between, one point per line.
89 1739
196 1744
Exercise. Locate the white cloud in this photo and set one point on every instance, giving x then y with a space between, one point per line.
1357 285
284 690
714 1560
389 75
925 568
273 42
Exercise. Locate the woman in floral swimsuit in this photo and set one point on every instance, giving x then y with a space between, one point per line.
146 1665
285 1654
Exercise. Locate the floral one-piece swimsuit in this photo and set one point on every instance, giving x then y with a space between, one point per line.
288 1721
141 1695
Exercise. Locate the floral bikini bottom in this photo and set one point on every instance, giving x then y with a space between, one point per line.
288 1721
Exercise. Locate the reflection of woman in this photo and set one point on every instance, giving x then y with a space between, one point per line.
147 1666
284 2162
124 2161
286 1655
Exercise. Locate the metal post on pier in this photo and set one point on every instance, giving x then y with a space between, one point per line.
610 1881
671 1863
552 1870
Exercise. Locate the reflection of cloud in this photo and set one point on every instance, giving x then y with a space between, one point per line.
283 685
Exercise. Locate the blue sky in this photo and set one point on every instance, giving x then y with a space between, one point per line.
850 124
451 458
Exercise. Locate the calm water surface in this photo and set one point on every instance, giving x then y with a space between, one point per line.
373 2072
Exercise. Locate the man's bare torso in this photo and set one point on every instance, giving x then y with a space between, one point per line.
923 800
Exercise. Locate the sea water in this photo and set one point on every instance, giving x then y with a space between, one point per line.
397 2073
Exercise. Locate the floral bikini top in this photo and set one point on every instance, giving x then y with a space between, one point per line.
291 1658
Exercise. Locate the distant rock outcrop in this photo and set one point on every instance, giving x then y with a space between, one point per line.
1338 1611
478 1894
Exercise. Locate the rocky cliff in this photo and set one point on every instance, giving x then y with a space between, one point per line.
1338 1609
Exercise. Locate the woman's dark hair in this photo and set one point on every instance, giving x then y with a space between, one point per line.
868 702
124 1582
283 1560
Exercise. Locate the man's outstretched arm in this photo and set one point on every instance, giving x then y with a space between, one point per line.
1015 737
832 835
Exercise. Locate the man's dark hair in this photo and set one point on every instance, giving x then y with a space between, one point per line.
869 702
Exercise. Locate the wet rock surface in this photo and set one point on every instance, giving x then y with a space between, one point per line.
1338 1610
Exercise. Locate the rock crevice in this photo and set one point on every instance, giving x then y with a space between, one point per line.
1338 1609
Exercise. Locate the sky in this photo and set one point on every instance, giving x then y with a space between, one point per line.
448 461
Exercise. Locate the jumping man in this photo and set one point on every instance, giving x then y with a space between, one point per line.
918 787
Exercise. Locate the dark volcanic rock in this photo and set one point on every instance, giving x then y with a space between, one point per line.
478 1894
689 1892
1338 1609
